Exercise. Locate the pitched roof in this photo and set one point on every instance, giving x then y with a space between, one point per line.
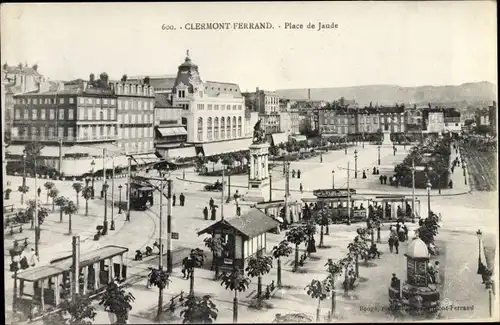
251 224
215 89
162 101
158 82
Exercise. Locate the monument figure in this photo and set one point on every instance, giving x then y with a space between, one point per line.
258 133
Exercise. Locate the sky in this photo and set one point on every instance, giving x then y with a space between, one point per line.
397 43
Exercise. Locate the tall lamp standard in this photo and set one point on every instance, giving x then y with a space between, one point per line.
105 193
428 185
333 179
355 163
488 282
120 199
93 177
24 168
464 166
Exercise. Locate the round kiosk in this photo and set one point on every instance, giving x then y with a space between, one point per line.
417 296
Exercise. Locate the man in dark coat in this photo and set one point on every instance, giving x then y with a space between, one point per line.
381 178
298 173
211 203
182 198
213 213
205 213
173 200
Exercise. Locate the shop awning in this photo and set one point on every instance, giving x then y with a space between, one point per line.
184 152
47 151
216 148
279 138
145 158
172 131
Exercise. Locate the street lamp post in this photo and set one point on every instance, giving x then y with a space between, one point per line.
24 168
93 177
105 194
333 179
120 199
355 163
113 195
378 155
428 198
439 183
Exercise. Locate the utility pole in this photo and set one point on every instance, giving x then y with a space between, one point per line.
222 197
228 186
35 215
75 267
169 225
270 187
348 196
413 189
59 137
103 166
60 153
287 190
128 187
160 247
113 195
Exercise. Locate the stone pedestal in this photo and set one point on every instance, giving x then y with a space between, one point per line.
258 180
387 139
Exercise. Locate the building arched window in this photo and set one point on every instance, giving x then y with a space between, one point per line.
222 128
239 127
216 128
209 128
200 129
228 127
234 126
120 89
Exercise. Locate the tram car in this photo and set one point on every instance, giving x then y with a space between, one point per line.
141 194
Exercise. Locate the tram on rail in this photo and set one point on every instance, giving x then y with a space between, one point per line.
141 193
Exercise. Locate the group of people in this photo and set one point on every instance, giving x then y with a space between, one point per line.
182 199
26 260
298 173
397 233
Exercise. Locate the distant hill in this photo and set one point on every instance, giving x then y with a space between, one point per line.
478 94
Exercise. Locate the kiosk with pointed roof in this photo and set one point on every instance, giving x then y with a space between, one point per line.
417 294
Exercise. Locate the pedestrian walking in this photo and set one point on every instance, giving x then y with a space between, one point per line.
364 174
293 173
431 272
301 188
298 173
205 213
437 276
405 229
39 191
396 245
381 178
378 171
33 258
213 213
173 200
374 171
211 203
182 198
391 243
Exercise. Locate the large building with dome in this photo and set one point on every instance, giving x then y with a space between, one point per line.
214 112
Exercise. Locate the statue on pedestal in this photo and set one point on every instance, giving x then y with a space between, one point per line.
258 133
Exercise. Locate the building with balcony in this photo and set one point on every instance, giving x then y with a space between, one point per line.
214 111
84 121
170 131
266 103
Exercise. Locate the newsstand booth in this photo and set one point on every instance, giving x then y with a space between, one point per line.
242 237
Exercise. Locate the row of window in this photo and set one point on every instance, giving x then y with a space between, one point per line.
272 100
43 132
137 146
96 114
135 118
136 104
96 101
41 114
134 89
361 121
222 130
45 100
215 107
94 131
364 128
130 133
